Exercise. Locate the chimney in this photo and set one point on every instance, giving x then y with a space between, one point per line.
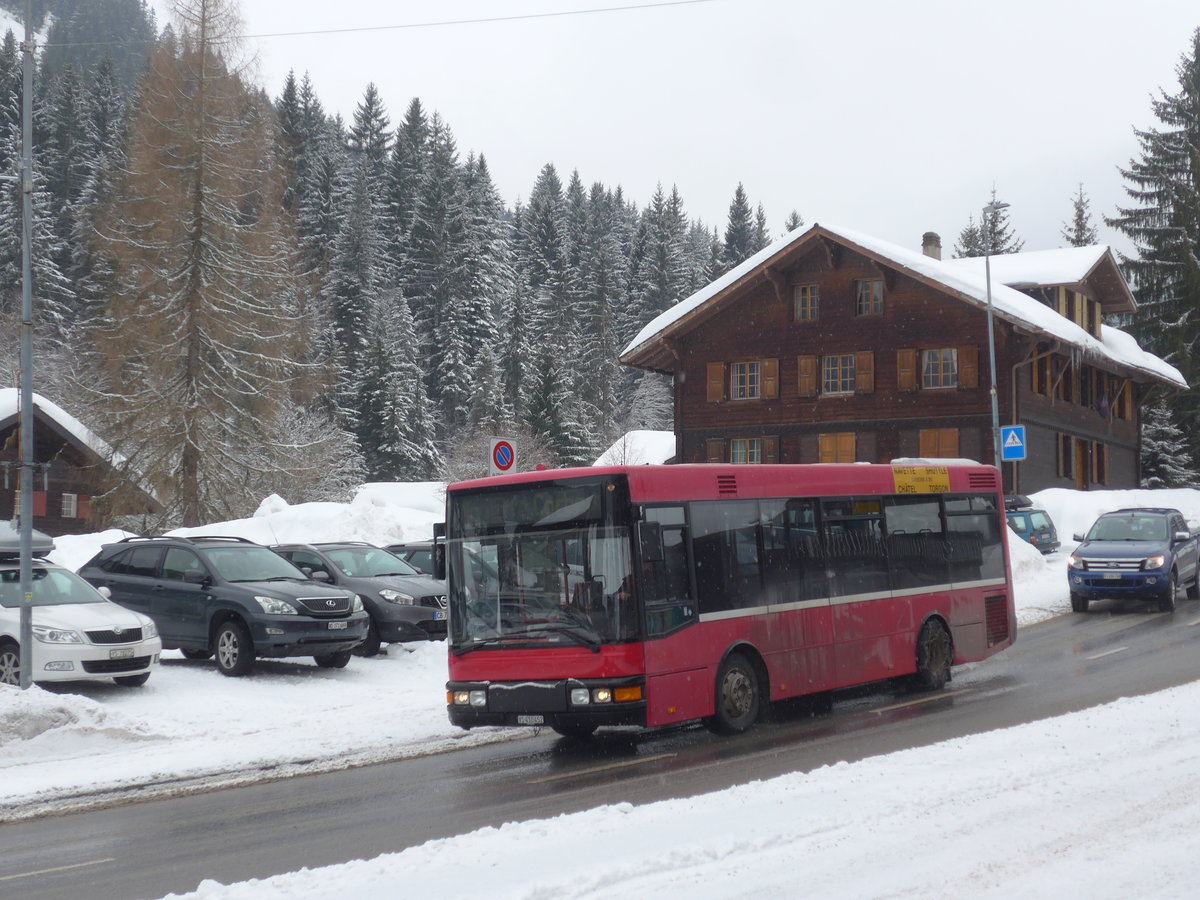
931 244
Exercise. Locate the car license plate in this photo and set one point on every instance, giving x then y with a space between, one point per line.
439 614
1112 576
122 653
531 720
337 626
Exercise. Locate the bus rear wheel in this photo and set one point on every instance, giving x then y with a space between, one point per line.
737 696
934 655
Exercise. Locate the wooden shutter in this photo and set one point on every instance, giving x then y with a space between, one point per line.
806 375
906 370
827 448
714 450
39 503
928 443
847 447
770 450
716 382
864 372
968 366
770 379
83 508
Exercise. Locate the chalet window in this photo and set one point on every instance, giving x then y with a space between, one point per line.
1066 456
744 381
869 294
1099 460
745 450
837 374
742 450
70 506
805 302
1064 388
939 443
939 368
837 447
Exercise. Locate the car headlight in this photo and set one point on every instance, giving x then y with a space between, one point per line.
149 629
48 635
1153 562
272 606
356 605
1075 562
397 597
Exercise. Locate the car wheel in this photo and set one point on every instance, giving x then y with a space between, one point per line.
1166 602
10 663
371 645
333 660
737 696
1193 589
934 655
132 680
235 649
574 729
197 654
1079 603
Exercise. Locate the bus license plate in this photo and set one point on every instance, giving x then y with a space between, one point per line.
531 720
122 653
337 626
438 615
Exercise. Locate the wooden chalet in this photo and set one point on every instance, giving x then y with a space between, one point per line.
77 486
834 346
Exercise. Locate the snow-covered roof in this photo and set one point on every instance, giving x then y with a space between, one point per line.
84 436
1061 266
1007 303
639 448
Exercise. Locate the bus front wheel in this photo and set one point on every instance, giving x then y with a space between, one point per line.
737 696
934 655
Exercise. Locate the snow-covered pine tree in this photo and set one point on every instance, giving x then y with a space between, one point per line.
1167 461
1163 222
1079 231
194 353
762 233
792 222
406 170
993 234
369 137
739 231
970 240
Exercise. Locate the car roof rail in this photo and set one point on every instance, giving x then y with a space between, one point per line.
345 544
194 539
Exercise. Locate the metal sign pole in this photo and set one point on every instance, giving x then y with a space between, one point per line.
26 392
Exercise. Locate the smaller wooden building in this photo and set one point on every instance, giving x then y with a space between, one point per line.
831 345
78 487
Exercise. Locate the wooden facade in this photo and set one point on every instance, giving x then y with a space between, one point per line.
832 352
75 488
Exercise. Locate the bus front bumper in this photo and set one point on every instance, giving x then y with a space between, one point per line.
566 703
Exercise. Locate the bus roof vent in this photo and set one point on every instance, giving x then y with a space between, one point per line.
981 480
727 484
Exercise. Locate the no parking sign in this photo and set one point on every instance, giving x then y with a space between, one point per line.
503 456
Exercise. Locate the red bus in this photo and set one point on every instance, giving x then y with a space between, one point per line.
650 595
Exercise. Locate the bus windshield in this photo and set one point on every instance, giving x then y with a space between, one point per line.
560 587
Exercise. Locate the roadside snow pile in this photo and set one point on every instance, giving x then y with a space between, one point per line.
34 722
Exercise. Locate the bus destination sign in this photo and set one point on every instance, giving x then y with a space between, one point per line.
921 479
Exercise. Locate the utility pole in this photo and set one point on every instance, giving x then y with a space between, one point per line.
26 393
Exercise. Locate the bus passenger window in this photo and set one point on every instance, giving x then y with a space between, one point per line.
666 585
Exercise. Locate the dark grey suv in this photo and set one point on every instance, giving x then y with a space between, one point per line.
404 604
229 597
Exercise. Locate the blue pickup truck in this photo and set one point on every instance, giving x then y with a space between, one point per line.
1136 554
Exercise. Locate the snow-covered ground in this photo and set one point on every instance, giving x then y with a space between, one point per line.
1060 807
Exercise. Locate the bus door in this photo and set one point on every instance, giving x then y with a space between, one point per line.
676 685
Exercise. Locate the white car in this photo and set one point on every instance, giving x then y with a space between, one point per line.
79 635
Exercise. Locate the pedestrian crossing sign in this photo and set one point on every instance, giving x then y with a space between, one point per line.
1012 443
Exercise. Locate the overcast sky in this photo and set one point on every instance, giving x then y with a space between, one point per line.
893 118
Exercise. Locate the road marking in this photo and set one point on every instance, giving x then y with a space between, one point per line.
1194 622
928 699
1106 653
596 769
82 865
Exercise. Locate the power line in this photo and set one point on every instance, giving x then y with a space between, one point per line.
438 24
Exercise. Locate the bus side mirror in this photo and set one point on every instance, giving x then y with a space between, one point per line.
650 540
439 551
